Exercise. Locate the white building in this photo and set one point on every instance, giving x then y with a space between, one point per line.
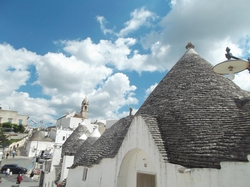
72 119
13 117
193 130
65 127
38 142
72 130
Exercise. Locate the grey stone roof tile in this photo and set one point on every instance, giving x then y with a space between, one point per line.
107 146
40 136
203 118
73 138
197 119
76 146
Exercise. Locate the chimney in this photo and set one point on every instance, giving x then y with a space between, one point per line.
130 111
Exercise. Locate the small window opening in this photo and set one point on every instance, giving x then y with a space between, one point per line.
85 172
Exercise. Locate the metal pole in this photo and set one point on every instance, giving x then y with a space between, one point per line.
39 126
37 142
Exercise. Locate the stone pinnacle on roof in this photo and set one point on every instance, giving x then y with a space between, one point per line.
190 45
95 133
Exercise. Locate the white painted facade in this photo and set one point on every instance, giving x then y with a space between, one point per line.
67 162
50 177
62 135
90 126
52 134
56 156
60 138
139 154
31 147
71 122
68 121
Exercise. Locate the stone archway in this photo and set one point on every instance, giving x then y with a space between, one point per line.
134 162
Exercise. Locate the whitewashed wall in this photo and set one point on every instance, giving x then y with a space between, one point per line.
52 134
90 126
32 145
231 174
137 145
49 179
57 150
139 148
67 162
68 121
30 148
74 122
99 175
56 156
62 135
75 178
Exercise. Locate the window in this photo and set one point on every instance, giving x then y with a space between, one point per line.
20 121
10 120
63 138
85 172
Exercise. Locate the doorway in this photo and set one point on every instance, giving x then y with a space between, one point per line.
145 180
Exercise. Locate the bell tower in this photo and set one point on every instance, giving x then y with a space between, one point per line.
85 108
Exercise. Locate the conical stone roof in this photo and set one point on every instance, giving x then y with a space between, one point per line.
73 138
94 149
203 118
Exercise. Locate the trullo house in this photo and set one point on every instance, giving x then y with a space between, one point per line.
193 130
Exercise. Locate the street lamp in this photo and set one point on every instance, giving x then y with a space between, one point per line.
231 66
39 126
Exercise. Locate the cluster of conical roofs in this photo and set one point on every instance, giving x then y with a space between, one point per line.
196 117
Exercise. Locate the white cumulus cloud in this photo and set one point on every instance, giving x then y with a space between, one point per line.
139 17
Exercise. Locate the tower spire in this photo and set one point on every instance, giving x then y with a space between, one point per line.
85 108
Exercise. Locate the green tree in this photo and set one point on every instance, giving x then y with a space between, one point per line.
4 141
8 126
21 128
15 127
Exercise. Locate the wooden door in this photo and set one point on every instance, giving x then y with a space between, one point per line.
145 180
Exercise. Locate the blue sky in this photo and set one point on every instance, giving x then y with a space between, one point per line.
53 54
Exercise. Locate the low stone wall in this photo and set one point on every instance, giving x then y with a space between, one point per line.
20 143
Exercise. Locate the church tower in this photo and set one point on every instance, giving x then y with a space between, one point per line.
85 108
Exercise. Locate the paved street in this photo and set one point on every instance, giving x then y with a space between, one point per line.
23 161
10 181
